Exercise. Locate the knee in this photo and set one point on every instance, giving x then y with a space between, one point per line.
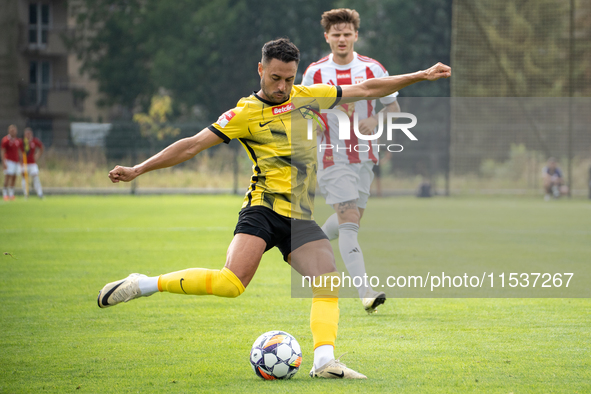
231 287
326 286
349 216
231 293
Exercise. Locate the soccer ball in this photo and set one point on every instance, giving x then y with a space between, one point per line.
275 355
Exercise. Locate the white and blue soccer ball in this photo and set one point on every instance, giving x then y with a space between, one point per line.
275 355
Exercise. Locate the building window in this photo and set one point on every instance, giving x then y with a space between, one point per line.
39 82
38 24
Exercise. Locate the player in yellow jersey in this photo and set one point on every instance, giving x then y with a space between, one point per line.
276 211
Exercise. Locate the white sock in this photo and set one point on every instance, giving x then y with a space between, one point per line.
352 254
148 285
24 185
322 355
37 185
4 192
331 227
11 192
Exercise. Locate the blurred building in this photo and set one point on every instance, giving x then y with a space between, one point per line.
85 90
40 84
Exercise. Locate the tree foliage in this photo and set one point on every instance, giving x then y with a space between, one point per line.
519 48
406 36
206 53
154 124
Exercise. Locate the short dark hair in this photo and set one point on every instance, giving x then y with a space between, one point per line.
338 16
281 49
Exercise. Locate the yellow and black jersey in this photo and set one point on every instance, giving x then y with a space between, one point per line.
275 138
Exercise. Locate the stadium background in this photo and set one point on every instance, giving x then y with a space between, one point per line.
194 59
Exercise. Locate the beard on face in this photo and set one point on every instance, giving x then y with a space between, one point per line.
270 95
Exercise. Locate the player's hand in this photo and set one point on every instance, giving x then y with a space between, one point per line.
437 71
125 174
368 125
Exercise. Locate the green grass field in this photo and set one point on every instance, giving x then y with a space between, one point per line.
54 338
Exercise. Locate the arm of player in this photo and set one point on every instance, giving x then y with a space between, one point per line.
380 87
367 126
174 154
2 155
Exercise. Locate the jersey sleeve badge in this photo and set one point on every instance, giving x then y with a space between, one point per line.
225 118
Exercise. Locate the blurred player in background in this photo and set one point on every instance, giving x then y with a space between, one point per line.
11 157
344 174
275 211
32 149
553 180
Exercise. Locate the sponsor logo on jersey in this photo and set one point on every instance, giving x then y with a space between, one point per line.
359 79
283 109
343 75
225 118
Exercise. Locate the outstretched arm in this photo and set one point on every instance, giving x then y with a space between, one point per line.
380 87
174 154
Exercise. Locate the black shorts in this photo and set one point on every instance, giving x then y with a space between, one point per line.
276 230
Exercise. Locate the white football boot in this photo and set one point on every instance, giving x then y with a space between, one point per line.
335 369
120 291
372 300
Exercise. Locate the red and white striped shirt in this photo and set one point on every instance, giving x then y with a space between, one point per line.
326 71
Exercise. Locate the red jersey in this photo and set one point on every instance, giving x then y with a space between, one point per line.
11 146
34 144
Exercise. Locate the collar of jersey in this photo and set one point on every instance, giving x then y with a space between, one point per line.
270 103
343 66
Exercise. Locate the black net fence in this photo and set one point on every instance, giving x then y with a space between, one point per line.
520 94
521 87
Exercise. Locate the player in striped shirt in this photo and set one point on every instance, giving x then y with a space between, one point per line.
345 167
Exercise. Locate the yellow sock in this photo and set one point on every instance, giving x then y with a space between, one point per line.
201 281
324 317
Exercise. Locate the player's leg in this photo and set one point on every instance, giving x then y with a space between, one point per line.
24 186
339 186
34 173
556 183
349 215
327 181
254 234
11 182
9 179
352 193
331 227
24 178
5 185
547 187
242 260
316 260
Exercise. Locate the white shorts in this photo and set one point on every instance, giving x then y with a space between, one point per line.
346 182
12 167
32 169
